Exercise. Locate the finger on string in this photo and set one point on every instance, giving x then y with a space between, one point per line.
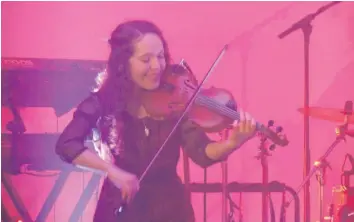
129 196
248 122
253 122
235 123
124 195
242 121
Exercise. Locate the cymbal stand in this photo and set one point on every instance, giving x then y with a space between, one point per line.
321 178
320 167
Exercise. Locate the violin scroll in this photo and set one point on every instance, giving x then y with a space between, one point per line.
276 136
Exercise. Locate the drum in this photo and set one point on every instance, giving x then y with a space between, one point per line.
342 207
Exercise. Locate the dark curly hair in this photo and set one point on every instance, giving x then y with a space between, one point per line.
114 85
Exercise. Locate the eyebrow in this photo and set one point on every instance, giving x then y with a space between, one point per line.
148 53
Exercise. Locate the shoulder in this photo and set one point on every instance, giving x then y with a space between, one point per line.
90 107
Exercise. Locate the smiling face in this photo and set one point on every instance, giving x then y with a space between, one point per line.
147 62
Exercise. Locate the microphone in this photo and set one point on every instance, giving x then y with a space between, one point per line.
348 111
306 20
351 160
348 108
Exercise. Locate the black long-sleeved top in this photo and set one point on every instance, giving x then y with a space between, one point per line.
161 195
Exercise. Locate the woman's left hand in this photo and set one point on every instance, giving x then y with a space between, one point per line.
242 130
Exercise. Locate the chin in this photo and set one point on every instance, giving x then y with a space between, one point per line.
151 86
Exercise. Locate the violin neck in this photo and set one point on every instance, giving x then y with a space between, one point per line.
222 109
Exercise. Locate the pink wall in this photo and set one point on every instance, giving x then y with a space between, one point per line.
196 32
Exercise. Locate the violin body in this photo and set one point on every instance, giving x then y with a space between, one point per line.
175 93
213 109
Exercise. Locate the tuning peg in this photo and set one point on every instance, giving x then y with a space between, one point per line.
272 147
279 129
270 123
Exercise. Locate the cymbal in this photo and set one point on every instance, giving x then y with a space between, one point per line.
329 114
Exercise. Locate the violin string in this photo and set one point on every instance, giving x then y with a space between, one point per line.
233 114
209 102
214 105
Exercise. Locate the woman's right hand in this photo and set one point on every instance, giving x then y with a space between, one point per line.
128 183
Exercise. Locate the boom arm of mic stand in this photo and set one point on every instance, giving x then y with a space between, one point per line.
305 21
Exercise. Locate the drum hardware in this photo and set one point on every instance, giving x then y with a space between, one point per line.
342 207
321 178
320 166
345 180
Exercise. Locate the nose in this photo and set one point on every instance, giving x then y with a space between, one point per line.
155 64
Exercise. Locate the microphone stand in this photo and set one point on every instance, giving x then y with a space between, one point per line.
305 25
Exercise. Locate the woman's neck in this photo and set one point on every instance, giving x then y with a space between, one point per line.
135 104
136 109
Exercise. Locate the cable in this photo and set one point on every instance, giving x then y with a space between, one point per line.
271 208
83 188
45 173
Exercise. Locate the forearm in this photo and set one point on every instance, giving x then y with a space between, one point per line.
89 159
220 150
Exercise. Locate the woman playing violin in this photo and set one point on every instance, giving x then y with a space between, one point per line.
137 62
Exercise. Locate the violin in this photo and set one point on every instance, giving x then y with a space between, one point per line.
213 110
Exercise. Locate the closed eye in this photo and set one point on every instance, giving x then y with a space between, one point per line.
145 58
